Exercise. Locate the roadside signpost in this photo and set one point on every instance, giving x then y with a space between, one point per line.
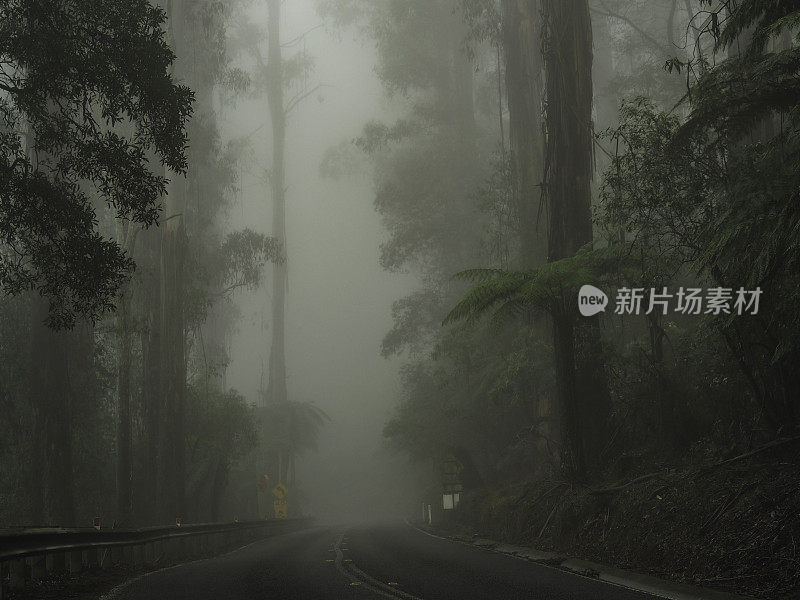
452 485
280 504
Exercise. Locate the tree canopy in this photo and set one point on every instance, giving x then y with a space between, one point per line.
88 109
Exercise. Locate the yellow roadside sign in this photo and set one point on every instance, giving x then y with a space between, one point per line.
281 502
281 508
280 491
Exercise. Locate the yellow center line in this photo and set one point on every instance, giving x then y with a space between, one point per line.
357 577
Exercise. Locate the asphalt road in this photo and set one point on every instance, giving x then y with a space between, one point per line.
364 562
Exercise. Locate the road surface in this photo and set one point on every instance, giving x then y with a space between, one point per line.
364 562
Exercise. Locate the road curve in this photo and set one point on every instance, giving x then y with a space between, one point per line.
389 560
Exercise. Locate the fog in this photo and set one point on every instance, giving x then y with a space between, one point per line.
279 273
339 299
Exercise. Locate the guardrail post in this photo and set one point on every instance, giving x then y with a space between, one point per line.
104 557
127 553
173 549
38 565
118 555
137 555
75 561
147 553
184 548
16 572
165 550
92 557
56 562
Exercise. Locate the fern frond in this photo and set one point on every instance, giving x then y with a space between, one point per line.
552 286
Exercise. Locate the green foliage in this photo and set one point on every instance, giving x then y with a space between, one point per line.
552 288
656 193
484 20
291 428
340 161
479 391
640 37
748 110
496 201
416 323
767 18
244 254
87 85
222 425
221 430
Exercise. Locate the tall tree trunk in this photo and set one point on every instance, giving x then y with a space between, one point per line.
218 488
462 92
568 177
152 391
35 478
124 429
606 105
173 355
522 43
50 393
50 390
59 446
125 237
173 334
276 390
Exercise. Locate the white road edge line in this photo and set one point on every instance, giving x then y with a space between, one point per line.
115 592
567 571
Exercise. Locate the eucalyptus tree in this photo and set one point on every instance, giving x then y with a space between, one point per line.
290 430
581 389
69 94
283 81
567 185
195 266
522 43
274 77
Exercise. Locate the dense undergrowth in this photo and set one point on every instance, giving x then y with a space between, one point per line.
730 524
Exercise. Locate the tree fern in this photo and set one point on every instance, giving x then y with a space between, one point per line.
553 287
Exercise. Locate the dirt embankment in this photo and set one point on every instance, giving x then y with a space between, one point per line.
732 525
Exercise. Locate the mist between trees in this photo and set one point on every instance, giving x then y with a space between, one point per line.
521 150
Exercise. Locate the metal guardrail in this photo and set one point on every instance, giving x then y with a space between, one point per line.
34 553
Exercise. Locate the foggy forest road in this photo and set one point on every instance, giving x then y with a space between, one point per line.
389 560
